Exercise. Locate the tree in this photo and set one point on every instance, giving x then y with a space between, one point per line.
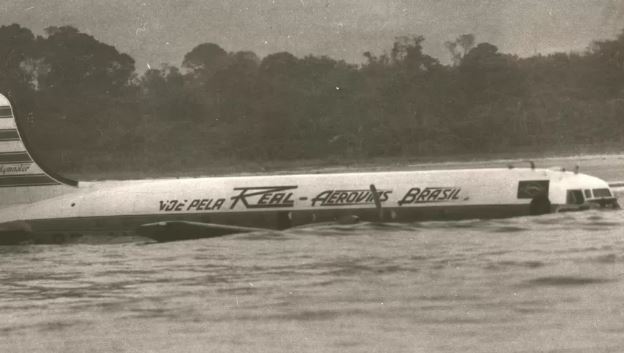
487 74
408 52
493 86
164 95
604 73
402 88
84 94
18 69
236 86
205 59
460 47
78 64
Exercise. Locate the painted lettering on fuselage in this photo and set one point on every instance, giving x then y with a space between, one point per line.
264 197
172 205
348 197
193 205
430 194
205 204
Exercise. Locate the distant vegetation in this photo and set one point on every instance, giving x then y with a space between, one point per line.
85 106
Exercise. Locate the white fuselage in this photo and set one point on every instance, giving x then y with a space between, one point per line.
279 201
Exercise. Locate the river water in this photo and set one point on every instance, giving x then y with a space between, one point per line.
553 283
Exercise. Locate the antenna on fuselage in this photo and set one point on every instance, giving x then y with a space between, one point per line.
377 200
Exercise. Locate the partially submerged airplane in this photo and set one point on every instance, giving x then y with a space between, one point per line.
37 205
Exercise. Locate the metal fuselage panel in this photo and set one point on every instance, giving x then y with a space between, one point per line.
277 219
282 201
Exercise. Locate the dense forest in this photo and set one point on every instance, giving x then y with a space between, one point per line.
86 107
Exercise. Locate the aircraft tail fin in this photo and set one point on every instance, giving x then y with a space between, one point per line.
18 167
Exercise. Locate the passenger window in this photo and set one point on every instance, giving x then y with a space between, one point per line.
588 194
602 193
575 197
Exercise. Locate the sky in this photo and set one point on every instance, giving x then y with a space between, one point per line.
162 31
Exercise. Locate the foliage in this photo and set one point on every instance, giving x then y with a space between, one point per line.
84 102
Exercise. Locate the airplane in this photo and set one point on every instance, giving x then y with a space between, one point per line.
39 206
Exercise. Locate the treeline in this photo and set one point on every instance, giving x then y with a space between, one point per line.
84 105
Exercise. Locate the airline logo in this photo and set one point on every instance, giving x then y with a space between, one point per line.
528 189
348 197
430 195
264 197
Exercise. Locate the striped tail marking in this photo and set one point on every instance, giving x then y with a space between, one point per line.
17 168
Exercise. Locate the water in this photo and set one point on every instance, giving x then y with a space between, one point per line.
536 284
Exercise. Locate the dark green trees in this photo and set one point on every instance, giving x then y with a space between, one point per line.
86 107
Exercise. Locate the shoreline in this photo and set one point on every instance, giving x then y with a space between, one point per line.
609 167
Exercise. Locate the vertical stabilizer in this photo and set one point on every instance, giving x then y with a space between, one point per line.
18 168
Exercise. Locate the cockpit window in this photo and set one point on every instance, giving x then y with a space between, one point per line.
602 193
575 197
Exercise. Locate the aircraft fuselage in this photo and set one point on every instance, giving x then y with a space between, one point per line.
283 201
